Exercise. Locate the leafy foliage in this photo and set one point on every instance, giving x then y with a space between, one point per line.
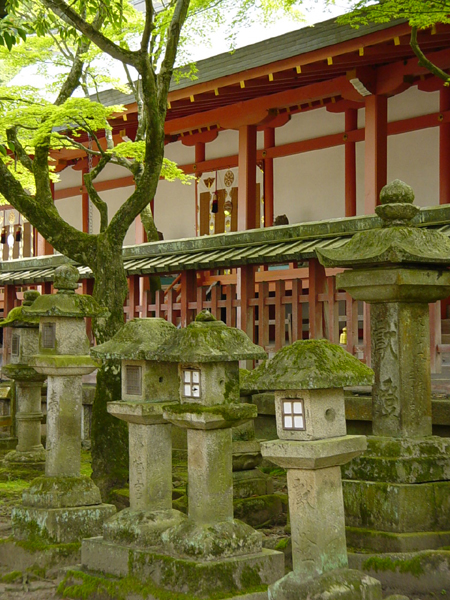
419 13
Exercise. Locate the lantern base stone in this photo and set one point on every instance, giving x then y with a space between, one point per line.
33 457
61 492
211 541
402 460
59 525
195 577
142 528
341 584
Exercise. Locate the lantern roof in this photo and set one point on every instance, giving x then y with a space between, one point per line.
308 365
16 317
399 241
207 340
65 303
136 339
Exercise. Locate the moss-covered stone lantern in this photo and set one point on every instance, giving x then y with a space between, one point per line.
147 386
309 377
25 343
398 269
210 551
63 506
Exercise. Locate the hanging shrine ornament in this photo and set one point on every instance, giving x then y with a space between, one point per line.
228 178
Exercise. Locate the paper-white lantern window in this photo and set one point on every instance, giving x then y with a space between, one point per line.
191 383
293 415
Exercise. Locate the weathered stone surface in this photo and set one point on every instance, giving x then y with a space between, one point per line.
262 510
59 525
193 577
211 541
398 508
316 454
142 528
207 340
265 403
343 584
217 416
370 540
417 574
210 486
65 303
308 364
400 460
324 414
246 455
135 339
61 492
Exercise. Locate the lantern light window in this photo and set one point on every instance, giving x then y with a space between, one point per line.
134 380
293 415
48 335
15 345
191 383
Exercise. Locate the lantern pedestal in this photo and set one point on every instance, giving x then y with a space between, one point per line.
62 506
150 448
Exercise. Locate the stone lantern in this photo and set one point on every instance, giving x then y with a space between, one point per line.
63 506
398 269
209 551
309 377
208 354
147 386
25 343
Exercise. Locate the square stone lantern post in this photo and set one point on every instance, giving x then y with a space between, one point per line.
147 386
63 506
398 269
25 343
309 377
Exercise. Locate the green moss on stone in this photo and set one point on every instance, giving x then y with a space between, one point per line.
309 364
398 565
11 577
229 412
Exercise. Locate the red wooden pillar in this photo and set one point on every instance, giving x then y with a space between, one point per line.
42 246
188 294
84 203
9 300
245 292
351 124
317 285
247 178
444 149
375 171
269 142
133 296
200 156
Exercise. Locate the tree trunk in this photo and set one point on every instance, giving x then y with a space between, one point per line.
109 434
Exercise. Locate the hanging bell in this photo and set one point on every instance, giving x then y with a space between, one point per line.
19 233
228 207
3 236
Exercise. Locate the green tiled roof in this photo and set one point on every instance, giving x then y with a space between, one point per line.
274 245
288 45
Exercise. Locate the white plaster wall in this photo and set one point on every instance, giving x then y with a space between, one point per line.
112 172
309 125
175 209
414 158
310 186
70 210
179 153
68 178
115 199
226 144
412 103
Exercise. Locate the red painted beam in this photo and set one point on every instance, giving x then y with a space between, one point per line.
444 149
247 178
375 168
351 124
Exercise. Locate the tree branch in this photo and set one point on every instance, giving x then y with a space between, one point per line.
148 28
67 14
100 205
424 61
65 238
173 37
26 161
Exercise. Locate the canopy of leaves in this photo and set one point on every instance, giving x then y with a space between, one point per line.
419 13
